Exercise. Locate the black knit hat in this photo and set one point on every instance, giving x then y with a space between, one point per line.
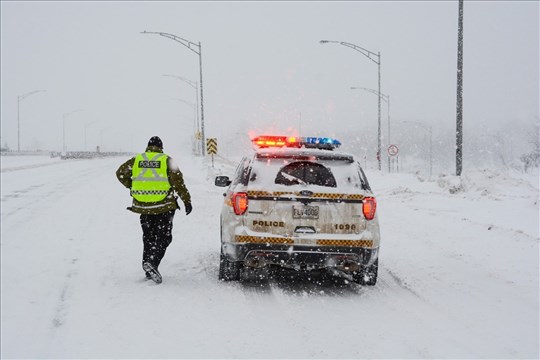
155 141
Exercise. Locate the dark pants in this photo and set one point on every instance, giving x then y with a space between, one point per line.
157 235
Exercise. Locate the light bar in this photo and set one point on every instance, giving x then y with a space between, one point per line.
266 141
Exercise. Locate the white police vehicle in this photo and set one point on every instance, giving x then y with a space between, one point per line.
298 204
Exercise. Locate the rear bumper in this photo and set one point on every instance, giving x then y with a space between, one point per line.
299 256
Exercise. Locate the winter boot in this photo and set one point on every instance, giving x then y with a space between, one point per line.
153 272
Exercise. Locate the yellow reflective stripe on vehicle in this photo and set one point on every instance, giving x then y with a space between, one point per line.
338 196
322 242
350 243
255 194
262 240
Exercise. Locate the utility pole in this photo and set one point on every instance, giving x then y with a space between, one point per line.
459 101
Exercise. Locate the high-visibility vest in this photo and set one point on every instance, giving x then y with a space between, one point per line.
149 177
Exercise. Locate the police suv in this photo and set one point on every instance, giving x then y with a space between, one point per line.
298 204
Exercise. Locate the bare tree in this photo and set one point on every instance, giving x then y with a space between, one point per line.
532 159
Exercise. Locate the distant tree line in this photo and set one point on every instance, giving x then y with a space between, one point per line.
532 158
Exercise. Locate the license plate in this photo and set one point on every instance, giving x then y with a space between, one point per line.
305 212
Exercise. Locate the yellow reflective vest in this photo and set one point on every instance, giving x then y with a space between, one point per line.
149 177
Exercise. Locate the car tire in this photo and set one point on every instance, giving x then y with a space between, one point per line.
254 277
368 275
228 270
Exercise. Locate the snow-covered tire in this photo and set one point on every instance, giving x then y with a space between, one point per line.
368 275
228 270
254 277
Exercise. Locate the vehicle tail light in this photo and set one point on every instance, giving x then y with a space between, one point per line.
368 208
240 203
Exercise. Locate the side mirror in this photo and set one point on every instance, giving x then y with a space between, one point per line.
222 181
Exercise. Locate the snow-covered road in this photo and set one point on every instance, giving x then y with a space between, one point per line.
459 274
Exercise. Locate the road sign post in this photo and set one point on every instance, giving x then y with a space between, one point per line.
392 151
211 148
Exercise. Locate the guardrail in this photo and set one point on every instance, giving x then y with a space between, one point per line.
24 153
89 154
69 154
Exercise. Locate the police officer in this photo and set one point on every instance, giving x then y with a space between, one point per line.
153 179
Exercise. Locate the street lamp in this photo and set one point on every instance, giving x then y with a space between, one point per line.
85 127
386 98
19 99
64 117
371 56
194 85
430 130
197 49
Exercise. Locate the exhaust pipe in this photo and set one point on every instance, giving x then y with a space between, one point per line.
349 266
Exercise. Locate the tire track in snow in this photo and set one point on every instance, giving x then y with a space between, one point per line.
26 167
62 308
35 194
401 283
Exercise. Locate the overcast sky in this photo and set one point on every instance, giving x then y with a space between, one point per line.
264 69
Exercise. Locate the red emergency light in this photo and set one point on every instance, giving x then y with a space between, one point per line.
275 141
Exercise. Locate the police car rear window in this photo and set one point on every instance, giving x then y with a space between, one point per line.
266 173
305 173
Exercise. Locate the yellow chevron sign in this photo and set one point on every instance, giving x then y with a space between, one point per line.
211 146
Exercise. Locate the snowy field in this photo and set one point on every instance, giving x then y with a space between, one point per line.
458 276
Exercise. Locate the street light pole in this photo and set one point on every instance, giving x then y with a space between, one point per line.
191 46
64 116
194 85
371 56
385 98
19 99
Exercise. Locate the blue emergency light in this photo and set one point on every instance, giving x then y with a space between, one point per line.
321 143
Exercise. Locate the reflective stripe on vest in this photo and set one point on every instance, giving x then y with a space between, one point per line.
149 177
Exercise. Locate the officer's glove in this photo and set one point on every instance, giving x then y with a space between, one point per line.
188 208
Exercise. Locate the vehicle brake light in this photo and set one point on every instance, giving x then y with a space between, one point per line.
369 206
240 203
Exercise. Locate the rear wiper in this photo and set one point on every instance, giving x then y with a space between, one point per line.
293 178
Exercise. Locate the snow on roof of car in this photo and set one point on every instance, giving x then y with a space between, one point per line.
265 170
302 153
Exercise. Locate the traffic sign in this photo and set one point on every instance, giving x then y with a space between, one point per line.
211 146
393 150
